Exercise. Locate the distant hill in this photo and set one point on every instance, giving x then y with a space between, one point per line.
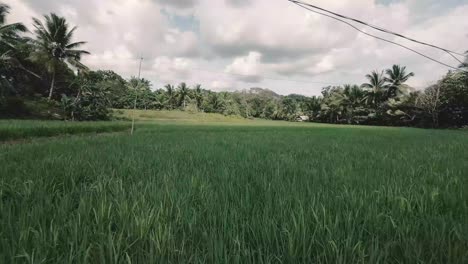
261 92
267 93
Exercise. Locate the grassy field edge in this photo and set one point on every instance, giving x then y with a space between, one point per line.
17 130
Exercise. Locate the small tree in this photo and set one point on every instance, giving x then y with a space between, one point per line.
430 102
90 103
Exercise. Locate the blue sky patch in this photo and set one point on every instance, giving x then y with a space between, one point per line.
184 23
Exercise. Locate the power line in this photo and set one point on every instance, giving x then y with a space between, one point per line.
300 4
376 27
139 69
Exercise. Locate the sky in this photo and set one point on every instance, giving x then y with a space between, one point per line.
227 45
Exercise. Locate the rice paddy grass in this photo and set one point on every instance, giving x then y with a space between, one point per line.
28 129
179 192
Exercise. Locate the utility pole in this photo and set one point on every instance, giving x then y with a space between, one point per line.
136 97
139 69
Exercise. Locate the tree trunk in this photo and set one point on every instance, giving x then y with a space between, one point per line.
52 85
75 102
435 120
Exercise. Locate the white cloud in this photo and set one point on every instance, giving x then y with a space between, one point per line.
179 3
221 86
251 39
172 69
248 68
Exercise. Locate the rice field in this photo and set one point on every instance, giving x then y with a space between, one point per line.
27 129
245 193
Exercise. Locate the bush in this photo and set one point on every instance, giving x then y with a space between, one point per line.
11 107
35 108
91 103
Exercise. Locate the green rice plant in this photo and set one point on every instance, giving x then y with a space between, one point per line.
176 115
23 129
178 193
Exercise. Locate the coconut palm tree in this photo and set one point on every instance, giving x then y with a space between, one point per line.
376 88
312 106
198 94
183 91
396 77
334 104
214 103
54 46
354 94
170 94
353 99
9 38
9 33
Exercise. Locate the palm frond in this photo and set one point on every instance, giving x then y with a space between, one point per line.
14 28
75 45
4 10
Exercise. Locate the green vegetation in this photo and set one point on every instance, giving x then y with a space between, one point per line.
298 193
47 64
203 180
175 115
22 129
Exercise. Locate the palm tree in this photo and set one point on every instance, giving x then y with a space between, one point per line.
334 106
198 94
354 95
170 93
9 33
54 46
215 104
9 38
142 89
376 87
396 77
183 91
312 106
352 100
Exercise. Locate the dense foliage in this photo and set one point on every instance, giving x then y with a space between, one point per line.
47 65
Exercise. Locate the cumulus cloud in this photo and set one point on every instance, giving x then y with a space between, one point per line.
280 31
247 68
245 40
222 86
172 69
118 34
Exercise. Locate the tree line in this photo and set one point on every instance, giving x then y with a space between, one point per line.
41 74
